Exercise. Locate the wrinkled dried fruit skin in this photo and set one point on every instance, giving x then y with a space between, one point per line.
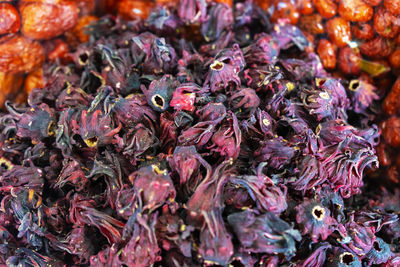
386 24
327 53
393 6
363 31
312 24
285 9
81 27
327 8
349 61
355 10
394 58
10 20
391 104
9 83
131 9
34 80
57 49
390 131
306 7
45 21
338 30
20 54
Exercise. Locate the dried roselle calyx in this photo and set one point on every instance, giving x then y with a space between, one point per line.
343 258
362 94
154 186
131 110
159 93
219 19
379 253
244 102
163 20
264 233
184 97
277 152
318 257
190 68
287 35
315 219
264 51
192 11
27 257
362 237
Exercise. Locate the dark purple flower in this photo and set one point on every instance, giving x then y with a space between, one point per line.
318 257
244 102
160 92
219 19
264 233
277 152
192 11
184 97
343 258
362 94
315 219
362 237
262 77
132 109
264 50
379 253
286 35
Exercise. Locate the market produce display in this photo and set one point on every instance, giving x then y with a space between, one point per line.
199 135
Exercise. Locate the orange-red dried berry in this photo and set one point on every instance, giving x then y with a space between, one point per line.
311 38
349 61
377 48
57 49
391 131
284 9
394 59
20 54
132 9
391 104
386 24
10 20
373 2
45 21
228 2
312 24
327 53
362 31
327 8
34 80
81 27
339 31
383 155
9 84
393 6
306 7
355 10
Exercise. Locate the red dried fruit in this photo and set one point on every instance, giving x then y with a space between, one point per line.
394 58
391 104
327 53
327 8
338 30
284 9
312 24
59 49
363 31
355 10
133 9
10 20
45 21
20 54
393 6
391 131
377 48
386 24
80 28
34 80
373 2
349 61
383 155
306 7
9 83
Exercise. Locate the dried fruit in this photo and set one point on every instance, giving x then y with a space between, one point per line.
391 104
355 10
363 31
393 6
45 21
10 20
327 53
394 58
377 48
284 9
327 8
306 7
34 80
386 24
81 28
338 30
312 24
132 9
20 54
349 61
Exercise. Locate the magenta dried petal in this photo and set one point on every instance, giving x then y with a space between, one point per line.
362 94
132 109
380 252
219 19
315 219
265 233
192 11
286 35
277 152
343 258
154 186
362 237
244 102
108 257
264 50
318 257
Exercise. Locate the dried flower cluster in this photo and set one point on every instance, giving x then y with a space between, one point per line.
196 137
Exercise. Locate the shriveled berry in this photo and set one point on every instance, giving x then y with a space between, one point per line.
377 48
391 104
391 131
10 20
394 58
56 48
284 9
383 155
34 80
306 7
349 61
20 54
312 24
9 83
327 53
363 31
45 21
355 10
131 9
327 8
393 6
339 31
373 2
386 24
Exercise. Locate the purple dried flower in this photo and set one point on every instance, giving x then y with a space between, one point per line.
219 19
160 92
131 110
379 253
362 94
343 258
265 233
362 237
264 50
244 102
315 219
286 35
318 257
225 69
192 11
277 152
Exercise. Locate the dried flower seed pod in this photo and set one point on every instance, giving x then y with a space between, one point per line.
327 8
10 20
20 54
45 21
327 53
338 30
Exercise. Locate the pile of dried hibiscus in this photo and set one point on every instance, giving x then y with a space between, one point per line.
196 137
